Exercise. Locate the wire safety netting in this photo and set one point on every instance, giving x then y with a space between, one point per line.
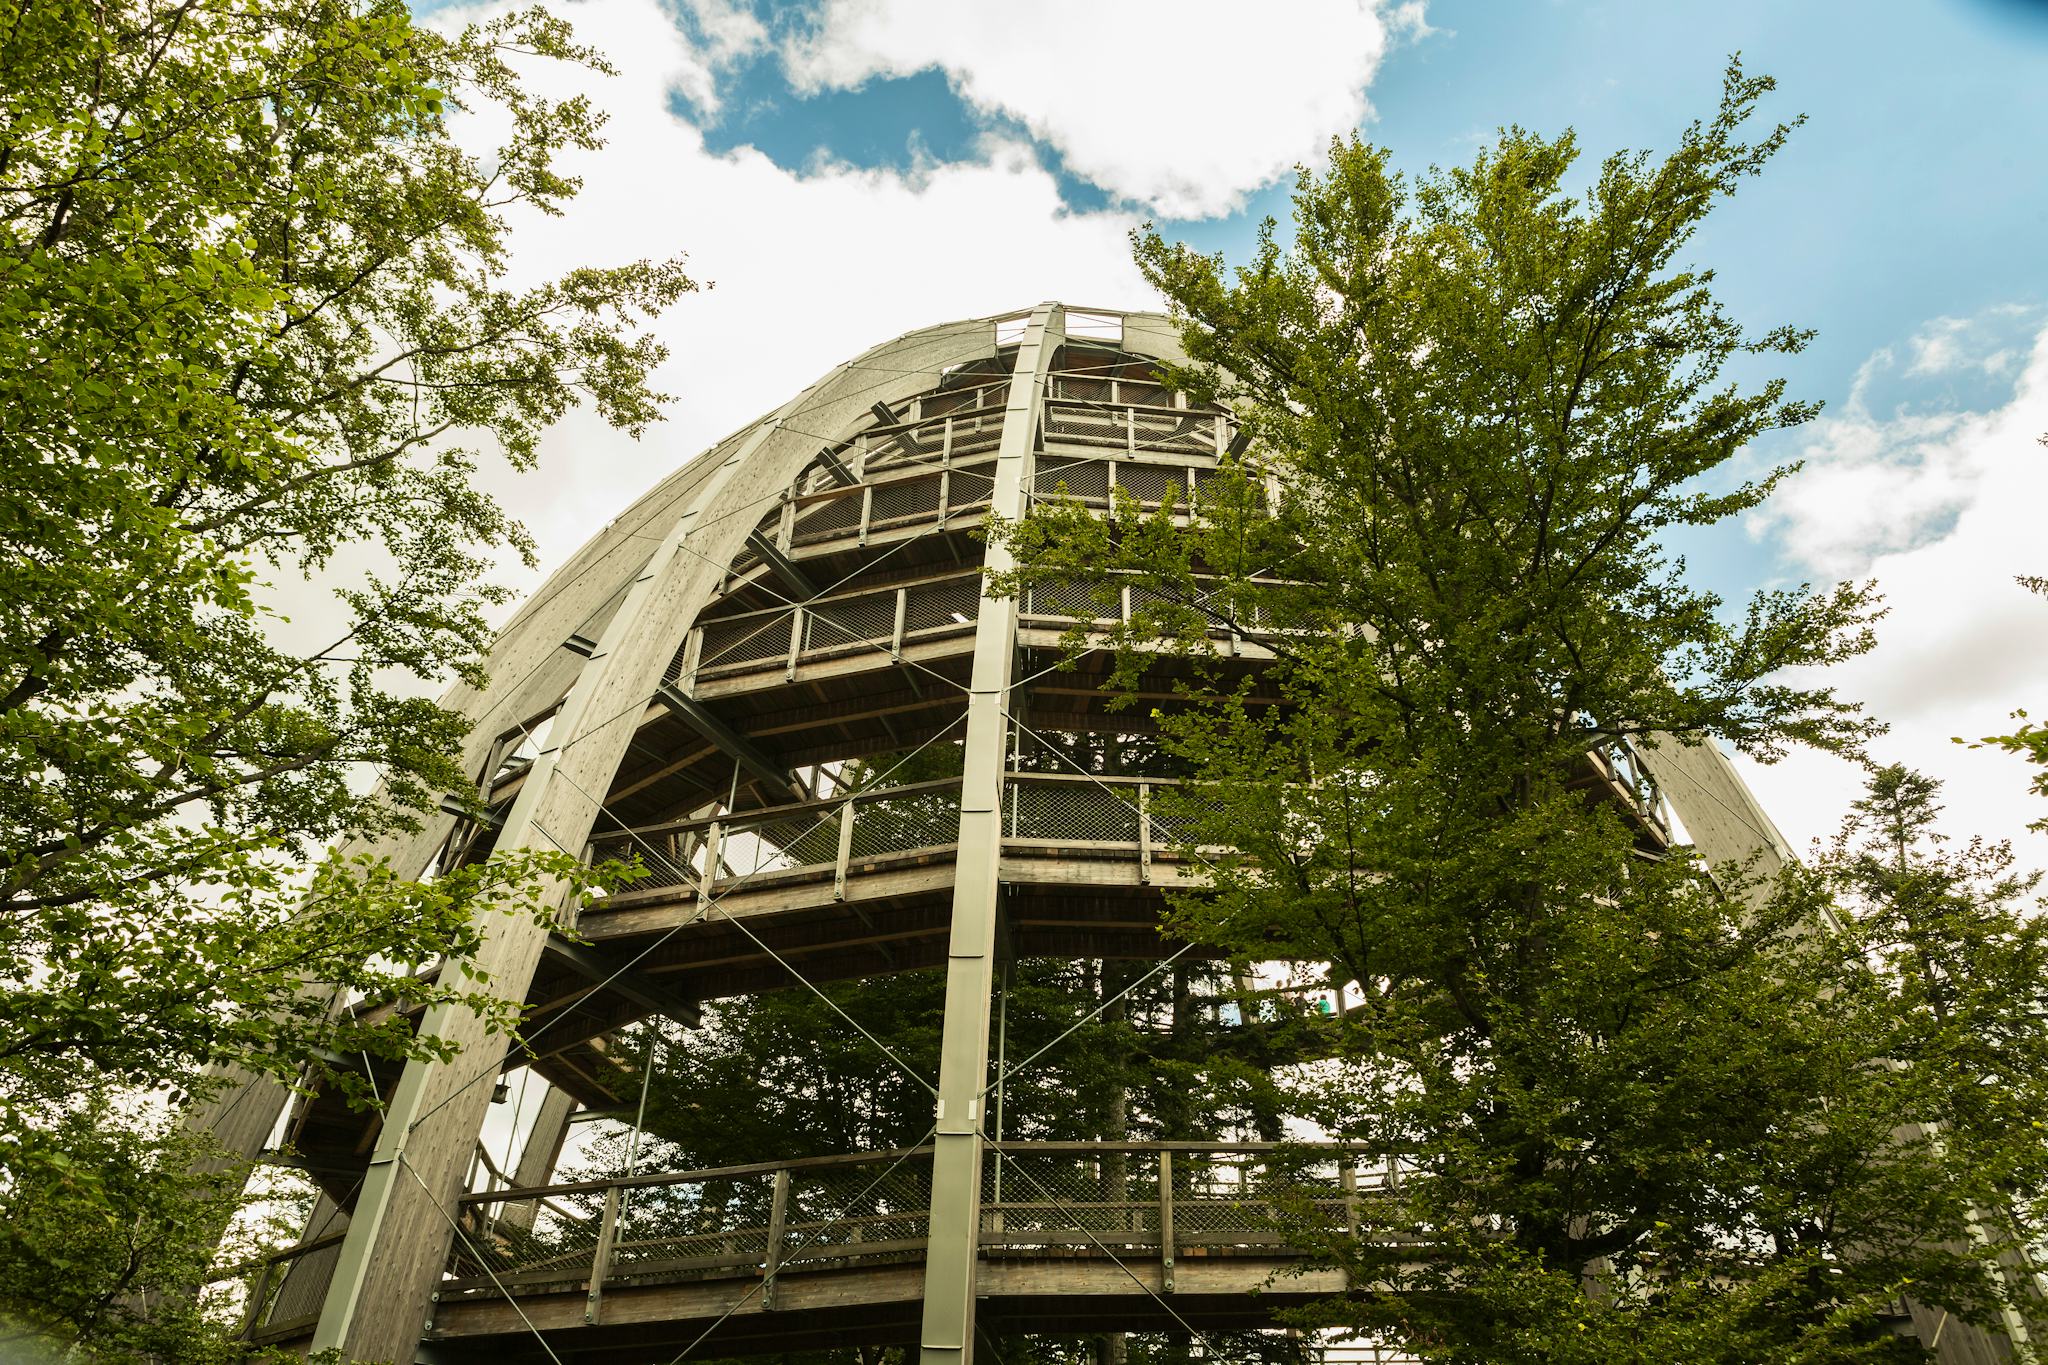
1070 812
872 1208
528 1239
884 824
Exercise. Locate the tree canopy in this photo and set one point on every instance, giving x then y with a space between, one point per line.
258 338
1658 1110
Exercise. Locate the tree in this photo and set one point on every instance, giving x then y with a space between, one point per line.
1656 1112
255 328
254 324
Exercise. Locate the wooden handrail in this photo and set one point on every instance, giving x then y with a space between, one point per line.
1013 1147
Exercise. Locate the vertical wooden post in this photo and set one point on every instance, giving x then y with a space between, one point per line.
693 650
796 643
259 1291
714 850
845 851
1145 833
1166 1221
896 631
601 1256
1347 1180
778 1219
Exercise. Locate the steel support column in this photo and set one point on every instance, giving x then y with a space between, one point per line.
953 1248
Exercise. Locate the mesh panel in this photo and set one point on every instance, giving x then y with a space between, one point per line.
978 434
1179 814
850 620
1071 812
529 1239
1057 1199
1151 483
837 1211
949 604
695 1223
1083 388
894 824
296 1288
670 859
776 845
1080 601
828 518
1084 479
1086 425
904 499
744 640
971 487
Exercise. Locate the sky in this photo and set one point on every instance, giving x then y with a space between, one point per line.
843 171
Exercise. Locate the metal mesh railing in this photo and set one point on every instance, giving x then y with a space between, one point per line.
875 1208
843 621
941 606
749 642
284 1289
1087 480
528 1239
1070 811
884 824
795 839
1037 1198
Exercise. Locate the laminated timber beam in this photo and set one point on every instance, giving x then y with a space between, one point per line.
630 982
783 567
734 745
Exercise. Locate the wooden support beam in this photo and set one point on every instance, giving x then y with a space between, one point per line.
783 567
737 747
630 982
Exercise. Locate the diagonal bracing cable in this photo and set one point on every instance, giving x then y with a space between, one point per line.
1081 1225
481 1259
679 926
809 1242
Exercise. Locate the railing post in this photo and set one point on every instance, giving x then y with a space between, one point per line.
259 1290
845 851
1166 1221
785 525
693 650
796 643
714 840
778 1218
867 512
601 1258
1145 833
896 631
1347 1181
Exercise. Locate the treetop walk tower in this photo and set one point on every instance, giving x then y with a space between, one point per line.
730 682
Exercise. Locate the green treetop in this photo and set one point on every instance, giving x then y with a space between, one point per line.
1656 1111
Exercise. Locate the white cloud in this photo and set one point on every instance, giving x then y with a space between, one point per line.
810 268
1184 106
1944 510
727 32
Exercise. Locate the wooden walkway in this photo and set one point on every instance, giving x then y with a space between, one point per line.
1076 1238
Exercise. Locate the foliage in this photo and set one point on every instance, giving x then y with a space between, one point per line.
2030 739
77 1278
257 336
1655 1112
254 327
